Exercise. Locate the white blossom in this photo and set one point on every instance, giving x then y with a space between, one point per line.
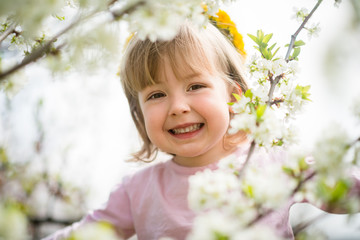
331 150
241 105
257 232
314 30
279 66
211 189
242 122
232 163
300 14
269 185
95 231
212 225
261 92
161 19
13 223
268 130
293 67
356 108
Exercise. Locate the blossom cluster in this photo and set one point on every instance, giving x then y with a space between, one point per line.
267 120
160 19
227 203
300 15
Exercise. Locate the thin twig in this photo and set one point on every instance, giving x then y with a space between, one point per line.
301 183
301 226
119 14
39 221
7 32
251 151
273 83
259 217
41 51
294 36
354 142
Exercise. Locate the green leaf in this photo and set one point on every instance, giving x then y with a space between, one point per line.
248 190
248 94
340 190
299 43
288 171
302 164
260 35
255 39
267 38
272 46
260 111
303 90
236 96
275 52
295 53
61 18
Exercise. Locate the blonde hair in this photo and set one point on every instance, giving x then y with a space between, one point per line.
198 49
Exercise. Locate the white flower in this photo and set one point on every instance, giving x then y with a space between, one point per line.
290 135
232 163
212 225
243 121
279 66
241 105
270 186
209 189
161 19
261 92
294 101
14 83
300 14
330 151
257 232
95 231
269 129
356 108
293 67
314 30
13 223
264 66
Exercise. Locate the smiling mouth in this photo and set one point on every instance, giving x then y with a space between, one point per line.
188 129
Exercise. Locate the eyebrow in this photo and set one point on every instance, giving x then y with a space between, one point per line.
192 75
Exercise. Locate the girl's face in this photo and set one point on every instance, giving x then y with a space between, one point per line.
187 117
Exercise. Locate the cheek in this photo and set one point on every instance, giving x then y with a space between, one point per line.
153 121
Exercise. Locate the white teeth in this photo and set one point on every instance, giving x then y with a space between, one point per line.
188 129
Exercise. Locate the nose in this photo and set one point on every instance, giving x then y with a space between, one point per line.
178 106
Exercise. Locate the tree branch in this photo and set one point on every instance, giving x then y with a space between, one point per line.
301 226
7 32
42 50
301 183
294 36
39 221
39 52
273 83
251 151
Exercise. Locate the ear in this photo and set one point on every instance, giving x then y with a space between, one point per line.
237 90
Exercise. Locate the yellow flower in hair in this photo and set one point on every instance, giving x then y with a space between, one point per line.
223 22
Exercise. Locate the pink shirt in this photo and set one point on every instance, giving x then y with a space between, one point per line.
152 203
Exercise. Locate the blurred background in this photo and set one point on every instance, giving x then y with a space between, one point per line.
68 136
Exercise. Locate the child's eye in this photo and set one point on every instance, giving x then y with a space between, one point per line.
156 95
195 87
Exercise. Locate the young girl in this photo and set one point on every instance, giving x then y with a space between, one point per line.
178 92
